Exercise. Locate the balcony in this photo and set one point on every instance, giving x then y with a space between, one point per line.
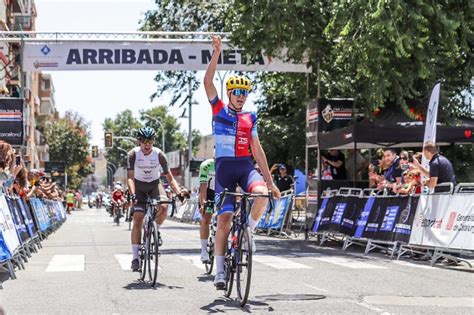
47 107
22 22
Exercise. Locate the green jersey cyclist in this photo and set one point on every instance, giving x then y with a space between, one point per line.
235 134
206 202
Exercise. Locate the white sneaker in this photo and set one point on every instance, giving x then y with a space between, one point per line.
219 281
204 257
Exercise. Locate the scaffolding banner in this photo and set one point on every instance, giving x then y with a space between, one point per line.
11 120
146 56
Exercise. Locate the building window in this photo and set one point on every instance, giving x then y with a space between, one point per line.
47 84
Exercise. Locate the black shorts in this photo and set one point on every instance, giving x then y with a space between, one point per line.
144 190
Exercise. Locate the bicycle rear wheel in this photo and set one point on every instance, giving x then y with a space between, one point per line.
143 260
229 265
210 250
153 254
244 265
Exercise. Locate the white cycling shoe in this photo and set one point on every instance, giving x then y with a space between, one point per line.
254 247
204 257
219 281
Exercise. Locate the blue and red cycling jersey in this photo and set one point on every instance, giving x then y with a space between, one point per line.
232 130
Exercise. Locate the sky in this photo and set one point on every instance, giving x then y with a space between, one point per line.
97 95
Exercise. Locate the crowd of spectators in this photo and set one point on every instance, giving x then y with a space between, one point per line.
391 172
16 180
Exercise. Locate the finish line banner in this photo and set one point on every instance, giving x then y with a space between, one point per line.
145 56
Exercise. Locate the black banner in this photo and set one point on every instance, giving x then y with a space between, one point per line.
334 114
376 218
11 120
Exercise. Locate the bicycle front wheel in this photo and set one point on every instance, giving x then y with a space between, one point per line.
244 265
153 251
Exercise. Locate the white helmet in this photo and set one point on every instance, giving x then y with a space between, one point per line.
118 186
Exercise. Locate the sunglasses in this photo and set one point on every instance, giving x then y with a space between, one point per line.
147 141
240 92
404 158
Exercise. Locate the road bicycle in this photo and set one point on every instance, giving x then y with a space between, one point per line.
149 250
119 209
238 256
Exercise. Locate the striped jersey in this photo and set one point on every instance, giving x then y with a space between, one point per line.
232 130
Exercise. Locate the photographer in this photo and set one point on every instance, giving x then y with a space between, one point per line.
282 180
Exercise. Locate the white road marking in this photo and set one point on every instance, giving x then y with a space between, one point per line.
278 262
348 262
125 260
315 288
405 263
372 308
194 259
61 263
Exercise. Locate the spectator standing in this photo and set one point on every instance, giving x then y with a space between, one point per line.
440 168
336 161
282 180
69 201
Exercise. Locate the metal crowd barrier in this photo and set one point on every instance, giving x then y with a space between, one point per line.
364 218
22 227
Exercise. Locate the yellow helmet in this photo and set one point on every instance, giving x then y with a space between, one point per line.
238 82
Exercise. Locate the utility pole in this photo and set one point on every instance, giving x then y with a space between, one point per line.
190 136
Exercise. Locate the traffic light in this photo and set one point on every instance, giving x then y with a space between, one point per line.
108 139
95 151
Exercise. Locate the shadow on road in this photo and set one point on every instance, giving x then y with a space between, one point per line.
205 278
222 305
141 285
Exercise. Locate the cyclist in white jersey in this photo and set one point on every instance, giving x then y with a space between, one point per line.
143 166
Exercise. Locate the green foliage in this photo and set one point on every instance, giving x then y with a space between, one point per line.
125 125
172 15
68 141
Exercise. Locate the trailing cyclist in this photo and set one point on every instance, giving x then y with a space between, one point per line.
206 203
235 132
143 179
118 199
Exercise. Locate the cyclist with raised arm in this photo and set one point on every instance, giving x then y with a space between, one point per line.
206 203
235 134
143 179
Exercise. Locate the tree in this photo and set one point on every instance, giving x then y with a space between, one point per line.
379 52
68 141
175 15
123 125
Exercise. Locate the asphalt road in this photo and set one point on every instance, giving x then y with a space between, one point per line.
83 268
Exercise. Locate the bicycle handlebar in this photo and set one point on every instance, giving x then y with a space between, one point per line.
156 202
246 195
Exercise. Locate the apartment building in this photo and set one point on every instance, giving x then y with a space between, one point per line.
36 88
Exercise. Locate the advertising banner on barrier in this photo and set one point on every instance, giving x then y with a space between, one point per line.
7 226
40 213
27 218
145 56
445 221
5 253
11 120
18 220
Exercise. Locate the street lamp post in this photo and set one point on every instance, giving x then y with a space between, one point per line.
159 123
124 168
